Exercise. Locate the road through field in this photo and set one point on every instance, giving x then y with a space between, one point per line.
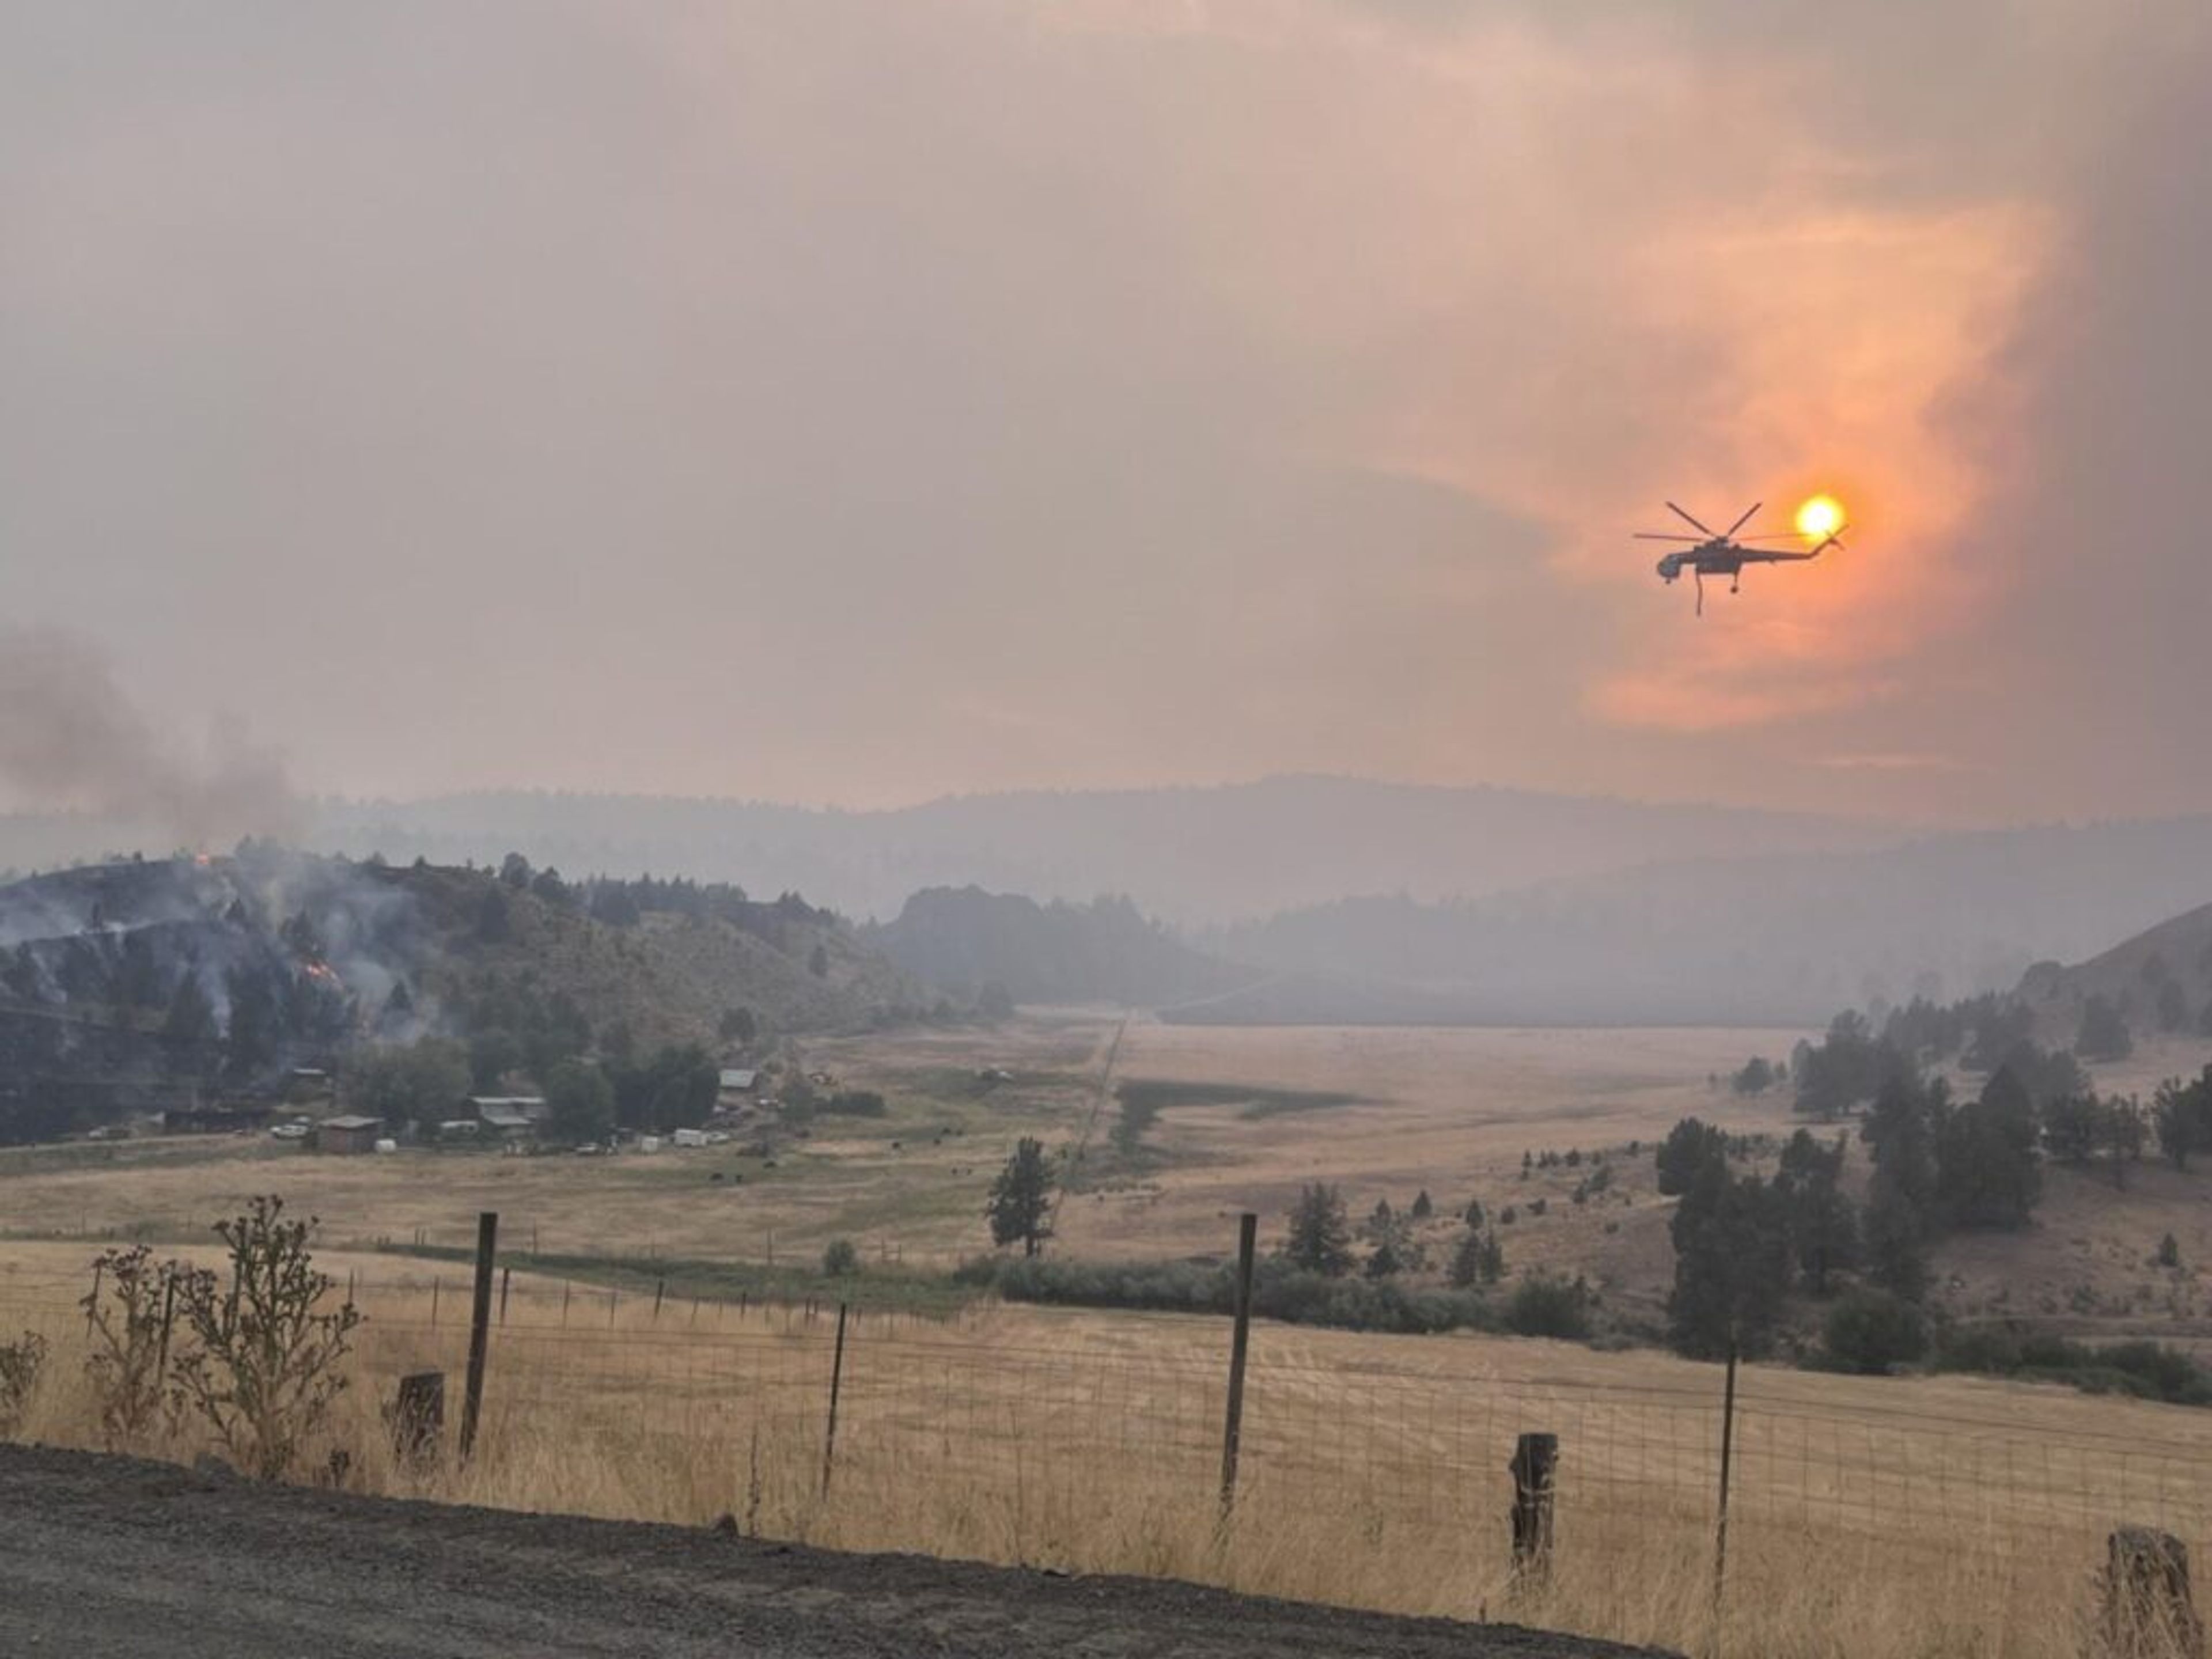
103 1556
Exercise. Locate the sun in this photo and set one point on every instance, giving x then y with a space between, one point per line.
1820 518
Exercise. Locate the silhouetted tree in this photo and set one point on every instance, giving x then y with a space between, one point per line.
579 1103
1987 1171
1732 1266
1689 1151
1020 1206
1320 1238
2103 1035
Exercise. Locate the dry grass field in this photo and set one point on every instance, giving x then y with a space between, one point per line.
1452 1111
1449 1111
1873 1519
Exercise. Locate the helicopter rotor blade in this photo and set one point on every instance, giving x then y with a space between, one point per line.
1694 524
1662 536
1744 520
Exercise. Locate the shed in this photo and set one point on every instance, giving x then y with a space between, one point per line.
511 1122
347 1134
531 1108
738 1080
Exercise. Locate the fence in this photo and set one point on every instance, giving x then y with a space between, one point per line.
1370 1469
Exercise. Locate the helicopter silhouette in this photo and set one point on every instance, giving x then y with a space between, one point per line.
1719 553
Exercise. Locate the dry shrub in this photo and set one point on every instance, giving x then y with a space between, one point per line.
22 1362
127 1318
264 1370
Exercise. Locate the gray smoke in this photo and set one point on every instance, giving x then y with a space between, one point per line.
71 740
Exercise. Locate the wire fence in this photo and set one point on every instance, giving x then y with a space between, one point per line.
695 1406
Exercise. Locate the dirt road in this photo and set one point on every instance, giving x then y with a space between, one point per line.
106 1556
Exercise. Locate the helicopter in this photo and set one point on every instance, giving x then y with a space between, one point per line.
1719 553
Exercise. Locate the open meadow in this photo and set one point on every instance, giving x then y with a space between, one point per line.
1385 1113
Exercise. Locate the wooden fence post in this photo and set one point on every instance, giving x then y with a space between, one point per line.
836 1379
660 1290
2148 1610
419 1417
506 1278
1248 1225
1535 1468
479 1329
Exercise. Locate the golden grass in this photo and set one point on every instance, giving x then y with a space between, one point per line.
1879 1520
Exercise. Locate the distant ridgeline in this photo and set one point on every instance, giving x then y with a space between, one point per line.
154 984
966 942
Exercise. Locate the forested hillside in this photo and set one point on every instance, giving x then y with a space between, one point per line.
963 940
142 983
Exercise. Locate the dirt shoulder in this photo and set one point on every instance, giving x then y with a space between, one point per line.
110 1555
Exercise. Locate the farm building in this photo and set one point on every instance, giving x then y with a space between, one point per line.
511 1116
739 1080
349 1135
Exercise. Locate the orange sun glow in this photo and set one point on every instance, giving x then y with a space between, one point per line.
1820 518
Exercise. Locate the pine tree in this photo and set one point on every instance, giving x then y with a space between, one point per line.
1021 1197
1321 1234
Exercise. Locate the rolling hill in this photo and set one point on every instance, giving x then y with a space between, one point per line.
152 972
960 940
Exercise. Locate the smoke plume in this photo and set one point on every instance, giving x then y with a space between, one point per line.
71 739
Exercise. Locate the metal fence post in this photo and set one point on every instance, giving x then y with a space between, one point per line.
1728 1451
1248 1225
479 1328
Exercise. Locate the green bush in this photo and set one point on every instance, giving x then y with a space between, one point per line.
1543 1306
1279 1291
1871 1331
2142 1369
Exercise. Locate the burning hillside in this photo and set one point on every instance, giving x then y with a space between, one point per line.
140 981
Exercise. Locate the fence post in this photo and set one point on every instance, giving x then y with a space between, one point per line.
419 1416
1535 1468
565 1288
660 1290
434 1284
1248 1225
837 1381
2148 1606
92 1301
506 1277
479 1328
1728 1452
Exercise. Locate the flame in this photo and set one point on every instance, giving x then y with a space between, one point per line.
323 971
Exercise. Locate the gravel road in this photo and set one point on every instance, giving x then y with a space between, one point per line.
111 1555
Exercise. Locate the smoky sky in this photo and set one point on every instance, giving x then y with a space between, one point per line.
859 401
